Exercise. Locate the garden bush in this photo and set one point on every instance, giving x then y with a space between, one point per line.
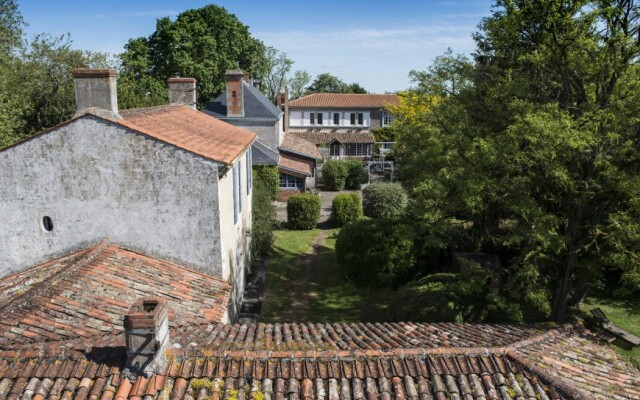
355 174
264 220
270 177
334 175
376 252
384 200
346 208
303 211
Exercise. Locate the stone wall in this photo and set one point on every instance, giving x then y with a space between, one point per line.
97 180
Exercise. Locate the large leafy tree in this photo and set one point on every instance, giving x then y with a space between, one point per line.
201 43
277 70
530 149
327 83
298 83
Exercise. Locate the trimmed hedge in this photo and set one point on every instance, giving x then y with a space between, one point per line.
384 200
264 220
270 177
346 208
355 174
334 175
303 211
377 252
342 174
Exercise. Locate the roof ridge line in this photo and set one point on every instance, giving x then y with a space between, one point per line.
539 338
558 383
42 287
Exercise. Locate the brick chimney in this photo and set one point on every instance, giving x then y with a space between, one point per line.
95 88
182 91
146 328
235 93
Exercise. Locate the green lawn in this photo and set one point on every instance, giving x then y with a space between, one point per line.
307 285
624 314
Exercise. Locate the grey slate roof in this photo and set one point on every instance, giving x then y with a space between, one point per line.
256 105
263 155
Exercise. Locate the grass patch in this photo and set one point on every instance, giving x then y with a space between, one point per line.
624 314
315 283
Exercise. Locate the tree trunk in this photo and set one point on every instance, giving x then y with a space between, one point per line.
580 291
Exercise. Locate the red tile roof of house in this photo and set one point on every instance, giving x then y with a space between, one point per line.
324 136
83 296
292 164
191 130
295 144
345 100
62 339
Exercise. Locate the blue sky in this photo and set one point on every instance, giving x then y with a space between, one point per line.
374 43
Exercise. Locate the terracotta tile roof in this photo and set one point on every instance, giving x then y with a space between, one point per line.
82 297
578 360
298 145
191 130
324 136
292 164
345 100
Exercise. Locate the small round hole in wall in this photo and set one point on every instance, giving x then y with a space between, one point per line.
47 223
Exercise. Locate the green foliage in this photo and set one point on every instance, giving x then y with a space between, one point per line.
376 252
355 174
530 148
334 174
298 84
201 43
270 178
263 220
303 211
327 83
278 66
345 208
384 200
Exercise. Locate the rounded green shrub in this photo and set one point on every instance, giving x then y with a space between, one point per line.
345 208
334 175
303 211
263 220
355 174
376 252
270 177
384 200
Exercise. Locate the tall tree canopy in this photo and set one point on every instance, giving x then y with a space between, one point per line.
298 83
277 70
327 83
36 86
201 43
530 149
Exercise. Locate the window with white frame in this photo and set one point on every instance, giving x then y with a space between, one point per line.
387 119
357 149
360 119
336 118
291 182
357 118
319 119
312 118
352 118
334 149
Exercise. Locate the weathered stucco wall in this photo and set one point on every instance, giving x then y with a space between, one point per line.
97 180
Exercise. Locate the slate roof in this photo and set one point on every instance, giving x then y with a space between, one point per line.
297 145
256 105
190 130
324 136
81 297
293 164
345 100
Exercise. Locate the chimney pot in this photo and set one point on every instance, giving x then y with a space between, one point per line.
95 88
235 93
182 91
146 328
